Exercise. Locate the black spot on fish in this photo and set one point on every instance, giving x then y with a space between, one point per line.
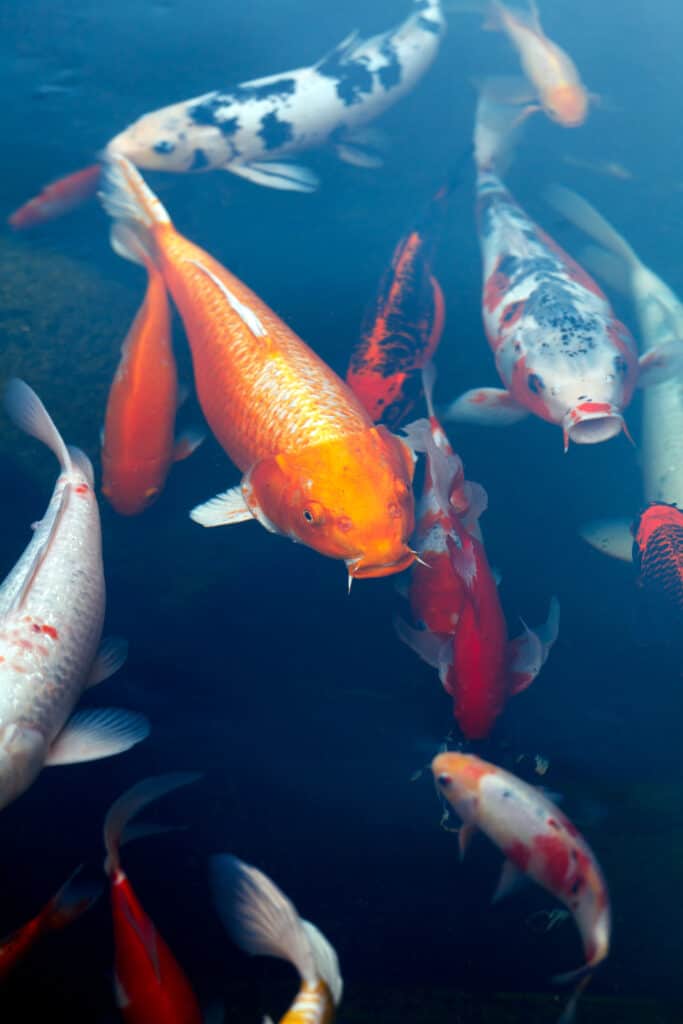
205 112
427 25
390 74
274 132
199 161
535 383
163 147
620 365
278 87
229 126
354 79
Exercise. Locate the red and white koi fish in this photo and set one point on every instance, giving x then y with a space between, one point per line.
55 200
138 445
453 594
67 904
552 73
402 330
315 467
559 349
51 615
150 985
261 920
537 840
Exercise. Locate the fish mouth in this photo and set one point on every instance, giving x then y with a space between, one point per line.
592 423
360 569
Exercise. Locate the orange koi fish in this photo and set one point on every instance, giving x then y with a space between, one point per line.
261 920
402 330
315 467
537 840
58 198
67 904
556 82
150 985
138 446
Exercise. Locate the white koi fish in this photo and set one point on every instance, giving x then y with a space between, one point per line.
538 840
559 348
248 129
51 615
261 920
660 319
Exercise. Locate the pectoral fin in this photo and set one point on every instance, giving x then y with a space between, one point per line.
510 879
223 510
110 657
187 443
272 174
611 536
358 155
489 407
660 363
97 733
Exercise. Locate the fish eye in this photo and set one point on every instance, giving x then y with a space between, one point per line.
444 781
314 513
163 147
535 383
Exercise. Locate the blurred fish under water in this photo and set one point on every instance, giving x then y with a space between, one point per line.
347 773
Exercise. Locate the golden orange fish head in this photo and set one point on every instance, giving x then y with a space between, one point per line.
567 104
349 498
130 489
458 775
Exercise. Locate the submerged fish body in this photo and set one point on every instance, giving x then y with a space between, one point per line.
402 329
248 129
51 616
315 468
536 838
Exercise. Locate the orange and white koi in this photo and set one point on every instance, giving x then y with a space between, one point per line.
401 331
261 920
453 593
538 840
67 904
316 468
58 198
149 983
138 445
559 348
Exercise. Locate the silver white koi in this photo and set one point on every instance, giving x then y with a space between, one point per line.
559 348
249 128
51 615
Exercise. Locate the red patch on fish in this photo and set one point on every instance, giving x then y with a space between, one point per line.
50 631
519 853
495 290
81 489
555 857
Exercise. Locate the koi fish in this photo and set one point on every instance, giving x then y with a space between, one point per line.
58 198
67 904
51 615
401 331
453 594
559 349
138 447
537 840
315 468
249 128
262 921
660 319
149 983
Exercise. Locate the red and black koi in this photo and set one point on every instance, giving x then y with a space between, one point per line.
402 329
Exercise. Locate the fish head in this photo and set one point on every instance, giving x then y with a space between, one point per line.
158 141
457 777
22 754
348 498
129 489
567 104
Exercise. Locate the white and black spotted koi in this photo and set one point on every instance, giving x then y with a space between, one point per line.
559 349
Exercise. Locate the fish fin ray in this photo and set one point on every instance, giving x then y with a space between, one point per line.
612 537
223 510
187 443
109 659
288 177
97 733
489 407
325 960
28 413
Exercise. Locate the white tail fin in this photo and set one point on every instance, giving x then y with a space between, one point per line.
326 961
578 211
133 207
502 106
259 917
28 413
132 801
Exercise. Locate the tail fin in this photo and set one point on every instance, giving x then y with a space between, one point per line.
28 413
133 207
259 917
326 961
503 104
72 900
132 801
578 211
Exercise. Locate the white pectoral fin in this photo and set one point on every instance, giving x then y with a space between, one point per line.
223 510
95 734
276 174
660 363
358 155
187 443
490 407
529 652
612 537
110 657
510 880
